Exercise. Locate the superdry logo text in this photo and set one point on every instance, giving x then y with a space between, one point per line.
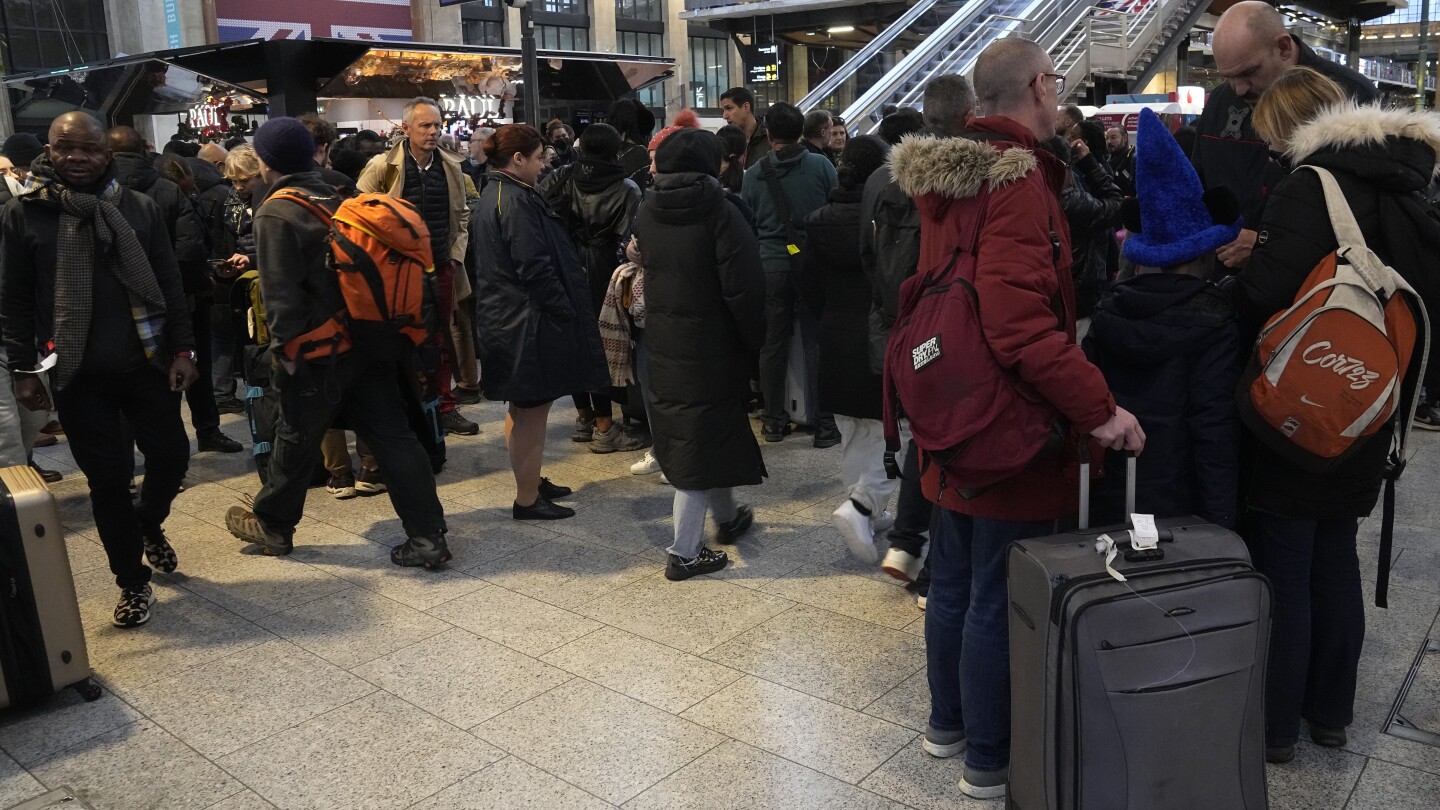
1351 368
926 353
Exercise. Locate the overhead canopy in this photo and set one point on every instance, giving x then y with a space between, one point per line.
290 75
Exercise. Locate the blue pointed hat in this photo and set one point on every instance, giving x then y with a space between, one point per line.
1179 221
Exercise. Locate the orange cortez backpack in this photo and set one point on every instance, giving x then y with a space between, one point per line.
1328 372
1332 370
380 251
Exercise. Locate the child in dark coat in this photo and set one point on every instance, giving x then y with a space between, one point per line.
1169 345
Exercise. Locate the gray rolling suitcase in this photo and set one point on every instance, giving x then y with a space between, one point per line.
1146 694
42 643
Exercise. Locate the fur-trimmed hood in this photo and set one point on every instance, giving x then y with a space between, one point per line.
955 168
1397 148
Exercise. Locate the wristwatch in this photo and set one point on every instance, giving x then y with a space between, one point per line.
190 355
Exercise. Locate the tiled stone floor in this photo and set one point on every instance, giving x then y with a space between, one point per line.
552 666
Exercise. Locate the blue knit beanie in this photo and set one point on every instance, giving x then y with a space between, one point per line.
285 145
1178 221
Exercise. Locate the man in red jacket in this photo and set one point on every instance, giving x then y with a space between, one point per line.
1027 314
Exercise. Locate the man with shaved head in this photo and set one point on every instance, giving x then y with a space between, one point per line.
1252 48
993 193
87 274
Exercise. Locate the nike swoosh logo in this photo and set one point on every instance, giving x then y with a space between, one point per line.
1309 401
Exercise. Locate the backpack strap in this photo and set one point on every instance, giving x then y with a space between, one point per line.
1348 234
782 202
309 202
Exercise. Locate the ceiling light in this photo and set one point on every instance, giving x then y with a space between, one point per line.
841 29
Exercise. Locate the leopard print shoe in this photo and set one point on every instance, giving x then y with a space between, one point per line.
133 609
160 553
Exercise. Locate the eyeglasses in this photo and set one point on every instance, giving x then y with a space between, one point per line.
1059 82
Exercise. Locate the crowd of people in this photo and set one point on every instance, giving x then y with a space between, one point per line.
665 283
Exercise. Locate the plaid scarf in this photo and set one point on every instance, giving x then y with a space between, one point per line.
615 314
94 236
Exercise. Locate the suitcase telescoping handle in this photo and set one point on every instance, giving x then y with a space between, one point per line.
1085 483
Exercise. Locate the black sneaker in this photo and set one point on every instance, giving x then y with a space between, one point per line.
584 429
553 492
731 530
466 396
370 482
421 551
542 509
159 552
454 423
1427 416
244 525
708 561
1327 736
216 442
827 437
229 405
133 609
772 433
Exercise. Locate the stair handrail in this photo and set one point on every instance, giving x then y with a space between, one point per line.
873 48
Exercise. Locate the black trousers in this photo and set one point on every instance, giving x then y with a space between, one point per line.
783 312
204 414
1318 627
365 392
912 509
102 413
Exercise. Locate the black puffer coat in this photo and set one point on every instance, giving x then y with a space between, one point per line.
1169 347
1383 161
598 202
187 234
847 385
704 323
536 333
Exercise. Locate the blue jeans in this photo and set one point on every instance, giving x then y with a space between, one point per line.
967 636
1318 627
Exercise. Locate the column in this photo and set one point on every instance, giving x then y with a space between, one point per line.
602 26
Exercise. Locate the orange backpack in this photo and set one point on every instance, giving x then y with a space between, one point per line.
1328 373
380 250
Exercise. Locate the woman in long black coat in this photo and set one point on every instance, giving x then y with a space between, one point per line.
848 388
535 331
704 323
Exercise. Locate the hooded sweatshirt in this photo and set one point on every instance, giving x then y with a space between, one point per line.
1169 347
806 179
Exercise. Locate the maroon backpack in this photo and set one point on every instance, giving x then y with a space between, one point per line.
980 422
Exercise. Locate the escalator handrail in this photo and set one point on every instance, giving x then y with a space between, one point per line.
872 49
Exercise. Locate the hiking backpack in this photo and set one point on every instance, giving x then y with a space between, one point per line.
977 420
379 248
1331 371
1328 372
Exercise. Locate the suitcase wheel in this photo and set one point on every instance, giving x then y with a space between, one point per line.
89 690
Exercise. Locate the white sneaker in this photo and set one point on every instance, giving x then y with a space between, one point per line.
882 522
645 466
902 565
855 528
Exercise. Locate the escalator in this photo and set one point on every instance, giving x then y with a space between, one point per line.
1124 39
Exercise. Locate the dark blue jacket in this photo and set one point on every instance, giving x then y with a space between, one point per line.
1169 347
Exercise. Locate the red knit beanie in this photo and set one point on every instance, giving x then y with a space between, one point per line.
685 119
